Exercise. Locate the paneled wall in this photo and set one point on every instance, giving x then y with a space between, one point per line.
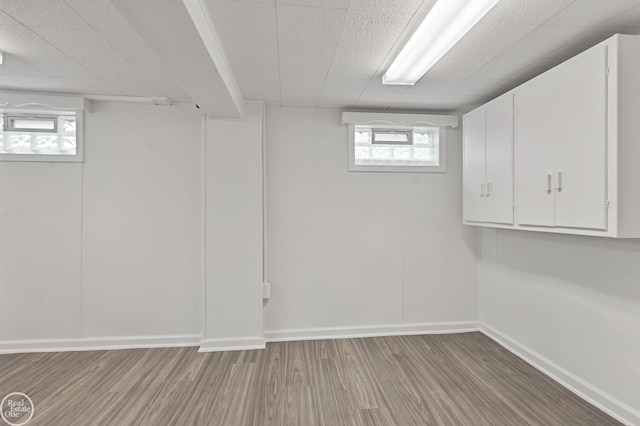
571 304
106 253
361 252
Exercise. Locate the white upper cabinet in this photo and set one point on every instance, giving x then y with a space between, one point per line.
560 139
474 180
488 175
575 149
499 160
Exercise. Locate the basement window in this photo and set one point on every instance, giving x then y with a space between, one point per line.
387 142
39 136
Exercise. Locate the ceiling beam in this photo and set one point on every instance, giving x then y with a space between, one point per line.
182 34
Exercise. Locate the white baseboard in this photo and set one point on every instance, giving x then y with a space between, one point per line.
232 344
370 331
607 403
98 344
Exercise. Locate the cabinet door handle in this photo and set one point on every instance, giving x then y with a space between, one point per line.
482 189
549 182
559 182
488 188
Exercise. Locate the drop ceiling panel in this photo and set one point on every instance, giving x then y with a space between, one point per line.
252 53
504 67
307 79
592 13
305 55
244 20
298 97
545 41
304 24
386 6
329 53
340 81
526 11
78 46
334 4
258 83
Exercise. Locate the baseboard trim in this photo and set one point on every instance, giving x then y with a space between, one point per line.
98 344
371 331
605 402
232 344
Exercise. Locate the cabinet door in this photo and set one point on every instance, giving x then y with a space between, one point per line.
474 166
499 160
581 175
536 119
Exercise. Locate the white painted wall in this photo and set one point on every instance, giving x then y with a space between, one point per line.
572 300
40 255
142 221
108 251
234 231
360 249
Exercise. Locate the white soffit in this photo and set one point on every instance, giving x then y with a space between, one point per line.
181 33
14 100
387 118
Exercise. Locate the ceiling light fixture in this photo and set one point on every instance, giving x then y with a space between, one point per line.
1 54
445 24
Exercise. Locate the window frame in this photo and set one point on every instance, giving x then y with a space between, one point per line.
399 122
30 105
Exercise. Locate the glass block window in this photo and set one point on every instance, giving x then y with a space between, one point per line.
30 137
390 147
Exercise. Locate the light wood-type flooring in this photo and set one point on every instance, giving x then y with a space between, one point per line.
460 379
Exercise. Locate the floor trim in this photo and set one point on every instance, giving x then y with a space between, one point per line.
98 344
371 331
607 403
232 344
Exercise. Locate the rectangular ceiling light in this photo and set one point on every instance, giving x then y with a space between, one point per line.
445 24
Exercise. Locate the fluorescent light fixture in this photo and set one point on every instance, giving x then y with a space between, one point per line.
445 24
1 54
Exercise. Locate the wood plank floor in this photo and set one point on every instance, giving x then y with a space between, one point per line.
460 379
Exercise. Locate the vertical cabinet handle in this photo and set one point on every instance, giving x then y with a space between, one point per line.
549 182
559 182
488 188
482 189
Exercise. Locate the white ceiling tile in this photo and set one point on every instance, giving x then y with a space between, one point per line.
383 100
305 55
545 40
333 4
339 98
431 102
591 13
258 83
628 23
14 66
341 81
526 11
251 53
473 87
410 6
303 24
490 38
505 67
456 66
44 14
302 78
367 39
244 20
101 15
296 97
